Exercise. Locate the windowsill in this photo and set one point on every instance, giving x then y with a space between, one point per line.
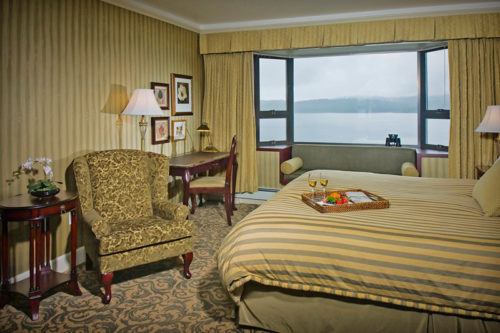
431 153
272 148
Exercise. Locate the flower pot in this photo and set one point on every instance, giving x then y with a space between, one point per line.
44 193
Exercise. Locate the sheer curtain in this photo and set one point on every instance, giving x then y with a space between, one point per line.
474 84
228 109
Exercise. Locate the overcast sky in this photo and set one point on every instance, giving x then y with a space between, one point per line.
366 75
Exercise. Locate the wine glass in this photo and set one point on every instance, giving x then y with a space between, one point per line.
323 181
312 182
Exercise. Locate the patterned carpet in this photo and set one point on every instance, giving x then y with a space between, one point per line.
149 298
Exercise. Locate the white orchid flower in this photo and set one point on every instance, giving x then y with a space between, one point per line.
31 168
44 160
28 165
47 171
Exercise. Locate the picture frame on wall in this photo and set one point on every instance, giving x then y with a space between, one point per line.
160 130
182 95
178 130
162 94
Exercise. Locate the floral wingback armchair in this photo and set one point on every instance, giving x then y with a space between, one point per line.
128 220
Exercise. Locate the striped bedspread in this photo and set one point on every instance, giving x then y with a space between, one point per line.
432 249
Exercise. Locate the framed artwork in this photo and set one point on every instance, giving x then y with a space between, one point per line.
160 130
178 130
162 94
182 95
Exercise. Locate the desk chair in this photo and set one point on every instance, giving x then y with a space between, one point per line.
215 184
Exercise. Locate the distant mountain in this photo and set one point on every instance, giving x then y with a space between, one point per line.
351 105
274 104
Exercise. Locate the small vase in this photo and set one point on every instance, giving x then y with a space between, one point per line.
44 193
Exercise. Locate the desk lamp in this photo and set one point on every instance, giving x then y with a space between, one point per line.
204 129
491 121
143 103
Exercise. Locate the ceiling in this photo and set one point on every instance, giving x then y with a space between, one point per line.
206 16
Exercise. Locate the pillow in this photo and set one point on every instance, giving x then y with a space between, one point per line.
408 169
487 191
291 165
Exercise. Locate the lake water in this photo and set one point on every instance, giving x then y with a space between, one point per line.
358 128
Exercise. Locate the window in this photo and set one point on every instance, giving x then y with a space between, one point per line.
273 99
435 99
355 97
272 90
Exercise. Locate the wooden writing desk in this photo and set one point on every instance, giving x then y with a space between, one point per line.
197 162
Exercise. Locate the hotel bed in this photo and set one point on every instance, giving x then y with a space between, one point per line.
428 263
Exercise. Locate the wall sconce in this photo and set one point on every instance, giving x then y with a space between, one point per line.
205 130
143 103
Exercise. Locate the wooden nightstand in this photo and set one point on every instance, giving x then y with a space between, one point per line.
481 169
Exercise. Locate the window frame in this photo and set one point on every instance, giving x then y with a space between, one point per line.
274 114
422 112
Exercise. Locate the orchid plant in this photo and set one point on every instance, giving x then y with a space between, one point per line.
31 168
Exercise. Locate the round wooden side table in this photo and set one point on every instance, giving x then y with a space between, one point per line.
41 277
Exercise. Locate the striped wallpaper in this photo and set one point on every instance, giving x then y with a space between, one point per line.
68 68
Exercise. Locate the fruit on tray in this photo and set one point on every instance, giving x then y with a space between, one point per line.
335 195
336 198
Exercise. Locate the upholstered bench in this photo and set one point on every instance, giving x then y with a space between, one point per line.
377 159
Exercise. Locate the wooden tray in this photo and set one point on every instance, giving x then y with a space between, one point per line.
377 203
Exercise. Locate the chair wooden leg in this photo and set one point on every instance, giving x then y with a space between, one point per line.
188 257
232 204
193 203
106 279
228 205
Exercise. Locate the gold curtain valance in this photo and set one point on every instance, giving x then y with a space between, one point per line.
358 33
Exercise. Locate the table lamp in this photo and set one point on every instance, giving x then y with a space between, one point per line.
204 129
491 121
143 103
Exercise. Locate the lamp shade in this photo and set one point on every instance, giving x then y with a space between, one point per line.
203 128
491 120
143 103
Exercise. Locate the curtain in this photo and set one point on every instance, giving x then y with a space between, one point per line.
474 84
228 109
